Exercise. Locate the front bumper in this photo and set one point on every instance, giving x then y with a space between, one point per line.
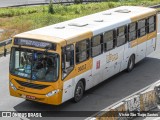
53 100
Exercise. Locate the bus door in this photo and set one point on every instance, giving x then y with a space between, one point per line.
67 70
151 42
98 61
150 45
142 38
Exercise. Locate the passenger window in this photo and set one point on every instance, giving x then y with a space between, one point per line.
141 28
132 32
67 60
151 24
108 39
121 35
82 50
96 45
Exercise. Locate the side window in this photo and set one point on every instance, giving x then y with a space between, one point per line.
67 60
96 45
151 24
121 35
82 50
141 28
108 39
132 31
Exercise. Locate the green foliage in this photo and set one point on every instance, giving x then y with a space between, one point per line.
27 18
50 8
10 12
83 9
78 1
111 4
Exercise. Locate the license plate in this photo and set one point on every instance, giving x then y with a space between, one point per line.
30 97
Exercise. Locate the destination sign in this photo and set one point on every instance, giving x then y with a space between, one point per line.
34 43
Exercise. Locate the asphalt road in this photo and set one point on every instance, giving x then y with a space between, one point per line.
112 90
6 3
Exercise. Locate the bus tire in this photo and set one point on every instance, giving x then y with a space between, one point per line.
79 90
131 63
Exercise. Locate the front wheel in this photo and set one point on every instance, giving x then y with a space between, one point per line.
79 90
131 63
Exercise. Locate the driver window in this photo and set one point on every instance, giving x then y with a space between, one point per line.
67 60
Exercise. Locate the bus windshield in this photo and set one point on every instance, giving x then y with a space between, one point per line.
34 65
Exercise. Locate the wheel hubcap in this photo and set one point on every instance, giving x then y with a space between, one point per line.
78 92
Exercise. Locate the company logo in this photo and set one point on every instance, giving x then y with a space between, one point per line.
112 57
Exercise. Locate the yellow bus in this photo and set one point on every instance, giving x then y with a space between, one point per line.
56 63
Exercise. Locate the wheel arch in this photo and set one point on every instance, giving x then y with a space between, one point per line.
84 82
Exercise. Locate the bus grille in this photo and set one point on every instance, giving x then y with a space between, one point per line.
31 85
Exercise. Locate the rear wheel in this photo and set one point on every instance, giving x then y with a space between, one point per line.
79 90
131 63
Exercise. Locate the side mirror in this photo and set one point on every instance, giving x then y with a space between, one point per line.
5 52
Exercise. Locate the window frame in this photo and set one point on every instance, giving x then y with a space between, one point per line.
114 40
125 34
101 43
62 60
129 40
154 23
138 29
88 49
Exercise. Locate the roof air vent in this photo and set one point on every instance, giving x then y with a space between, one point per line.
59 27
98 20
123 11
78 24
107 13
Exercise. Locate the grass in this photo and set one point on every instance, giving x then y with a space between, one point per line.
17 20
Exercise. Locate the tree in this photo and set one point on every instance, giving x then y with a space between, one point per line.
50 8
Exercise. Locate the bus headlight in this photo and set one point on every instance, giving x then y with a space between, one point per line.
52 93
13 87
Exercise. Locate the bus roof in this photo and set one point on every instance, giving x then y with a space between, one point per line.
84 27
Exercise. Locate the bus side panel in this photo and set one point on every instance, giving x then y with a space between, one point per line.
130 48
151 43
68 89
116 58
141 50
69 85
107 70
97 70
